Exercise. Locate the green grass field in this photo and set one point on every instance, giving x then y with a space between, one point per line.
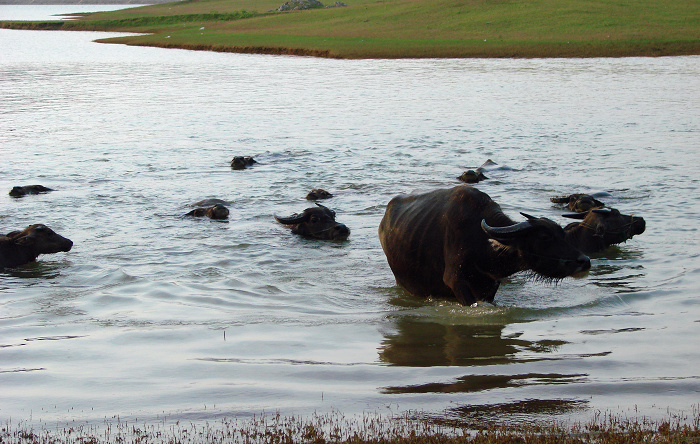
411 28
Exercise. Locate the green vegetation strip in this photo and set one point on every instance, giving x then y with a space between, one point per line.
174 19
409 28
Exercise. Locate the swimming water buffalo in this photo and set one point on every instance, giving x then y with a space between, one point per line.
242 162
601 228
457 243
21 247
471 176
578 202
318 193
28 189
216 211
316 222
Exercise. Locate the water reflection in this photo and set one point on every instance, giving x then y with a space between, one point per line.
509 413
613 268
478 383
422 343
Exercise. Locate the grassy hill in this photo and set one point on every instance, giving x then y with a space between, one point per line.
412 28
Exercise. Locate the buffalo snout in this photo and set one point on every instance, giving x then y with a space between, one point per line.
638 226
340 232
583 264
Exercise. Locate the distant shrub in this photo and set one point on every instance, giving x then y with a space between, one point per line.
296 5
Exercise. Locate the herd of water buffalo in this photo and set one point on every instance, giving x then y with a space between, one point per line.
451 243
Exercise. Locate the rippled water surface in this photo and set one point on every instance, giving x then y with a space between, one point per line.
154 315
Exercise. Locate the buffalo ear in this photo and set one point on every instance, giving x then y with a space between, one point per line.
291 220
576 215
326 208
25 240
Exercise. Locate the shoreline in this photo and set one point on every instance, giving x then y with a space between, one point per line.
407 428
523 50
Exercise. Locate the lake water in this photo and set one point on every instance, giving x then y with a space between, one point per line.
152 315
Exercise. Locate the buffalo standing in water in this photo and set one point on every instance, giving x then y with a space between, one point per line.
457 243
21 247
601 228
316 222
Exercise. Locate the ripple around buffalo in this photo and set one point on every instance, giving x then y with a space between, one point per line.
454 243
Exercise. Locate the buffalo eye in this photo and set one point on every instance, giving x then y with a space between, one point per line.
545 236
313 219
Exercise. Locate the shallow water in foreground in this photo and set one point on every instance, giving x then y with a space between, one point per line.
154 316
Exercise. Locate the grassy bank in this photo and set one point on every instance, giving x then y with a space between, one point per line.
409 28
335 428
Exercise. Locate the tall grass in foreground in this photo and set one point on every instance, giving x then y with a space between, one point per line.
336 428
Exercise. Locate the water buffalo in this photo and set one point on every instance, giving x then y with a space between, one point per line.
316 222
471 176
457 243
318 193
209 202
578 202
21 247
242 162
28 189
601 228
216 211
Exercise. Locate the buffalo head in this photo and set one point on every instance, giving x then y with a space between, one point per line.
316 222
601 227
578 202
471 176
318 193
242 162
541 247
28 189
21 247
216 211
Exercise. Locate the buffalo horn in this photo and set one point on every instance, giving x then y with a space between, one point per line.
528 216
576 215
504 232
291 220
602 210
326 208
